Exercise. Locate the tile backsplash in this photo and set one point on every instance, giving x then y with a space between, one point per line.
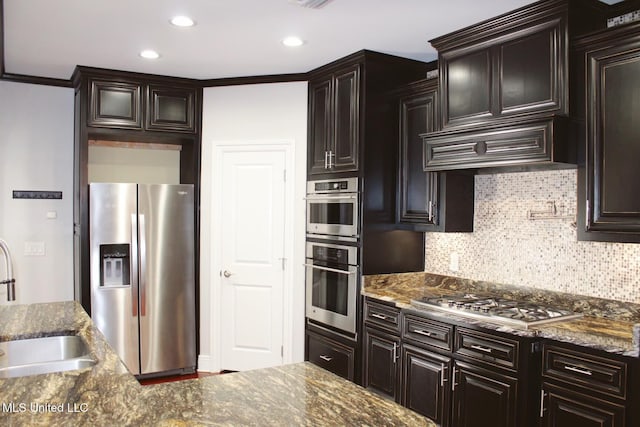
508 247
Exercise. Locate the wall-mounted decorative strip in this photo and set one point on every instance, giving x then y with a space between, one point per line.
21 194
623 19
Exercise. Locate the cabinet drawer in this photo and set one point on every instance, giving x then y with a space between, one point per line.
330 355
382 315
526 142
492 349
430 332
585 370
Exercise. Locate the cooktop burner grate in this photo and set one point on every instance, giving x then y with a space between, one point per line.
498 310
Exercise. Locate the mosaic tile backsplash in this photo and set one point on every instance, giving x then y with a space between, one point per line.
508 247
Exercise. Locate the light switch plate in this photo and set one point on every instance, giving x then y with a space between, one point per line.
34 249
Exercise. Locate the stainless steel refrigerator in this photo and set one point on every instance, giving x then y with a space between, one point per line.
143 273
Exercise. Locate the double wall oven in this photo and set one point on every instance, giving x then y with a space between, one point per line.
333 271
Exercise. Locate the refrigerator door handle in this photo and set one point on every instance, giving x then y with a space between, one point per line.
134 265
143 265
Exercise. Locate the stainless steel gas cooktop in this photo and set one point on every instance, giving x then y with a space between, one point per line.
497 310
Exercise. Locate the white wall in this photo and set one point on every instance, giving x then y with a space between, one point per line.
36 153
248 113
136 165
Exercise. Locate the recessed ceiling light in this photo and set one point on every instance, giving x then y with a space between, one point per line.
292 41
182 21
149 54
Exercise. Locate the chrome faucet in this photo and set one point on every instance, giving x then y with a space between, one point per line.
10 281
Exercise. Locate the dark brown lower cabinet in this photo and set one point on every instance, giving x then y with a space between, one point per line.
482 397
567 408
587 388
382 363
331 355
459 375
426 383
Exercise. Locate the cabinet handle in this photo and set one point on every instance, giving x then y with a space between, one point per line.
395 353
481 348
578 370
453 379
542 396
443 374
380 316
588 213
326 358
430 210
331 154
326 156
425 333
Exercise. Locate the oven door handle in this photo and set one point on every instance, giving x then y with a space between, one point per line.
331 197
333 270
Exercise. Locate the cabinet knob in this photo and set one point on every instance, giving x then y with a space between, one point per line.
480 148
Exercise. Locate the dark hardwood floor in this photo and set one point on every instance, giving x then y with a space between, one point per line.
159 380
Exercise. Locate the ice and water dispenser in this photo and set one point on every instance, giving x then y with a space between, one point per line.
115 262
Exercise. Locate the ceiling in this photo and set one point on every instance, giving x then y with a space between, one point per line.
232 38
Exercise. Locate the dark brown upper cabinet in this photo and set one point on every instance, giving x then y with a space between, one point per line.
333 121
608 173
171 109
520 72
128 104
427 201
503 84
347 110
115 104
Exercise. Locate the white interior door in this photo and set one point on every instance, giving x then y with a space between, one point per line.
252 258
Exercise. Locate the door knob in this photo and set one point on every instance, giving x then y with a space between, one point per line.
226 274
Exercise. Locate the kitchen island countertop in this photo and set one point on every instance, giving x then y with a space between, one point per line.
107 394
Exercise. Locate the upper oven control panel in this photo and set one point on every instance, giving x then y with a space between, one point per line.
345 185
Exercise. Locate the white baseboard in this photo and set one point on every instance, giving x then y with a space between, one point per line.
205 363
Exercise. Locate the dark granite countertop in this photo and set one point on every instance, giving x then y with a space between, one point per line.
607 325
107 394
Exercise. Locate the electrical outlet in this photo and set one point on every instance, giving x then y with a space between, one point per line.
454 261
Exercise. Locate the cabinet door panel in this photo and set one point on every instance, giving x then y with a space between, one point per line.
468 86
382 362
319 125
171 109
346 131
115 104
528 67
425 383
483 398
419 189
614 141
568 409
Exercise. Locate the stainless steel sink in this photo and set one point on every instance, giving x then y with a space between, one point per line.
44 355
